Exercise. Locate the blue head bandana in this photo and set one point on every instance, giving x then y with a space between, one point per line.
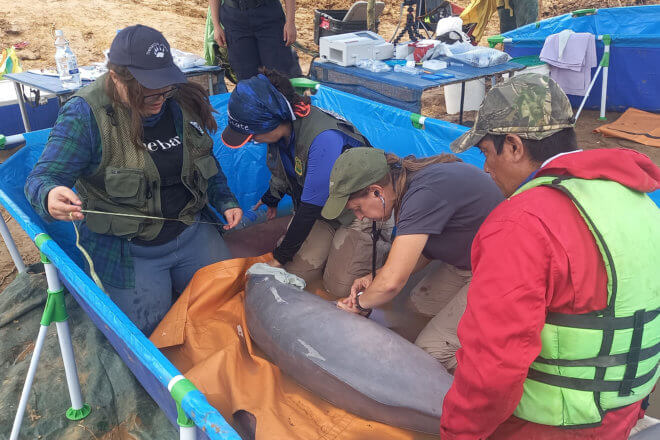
256 106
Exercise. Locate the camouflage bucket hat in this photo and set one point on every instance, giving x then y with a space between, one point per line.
532 106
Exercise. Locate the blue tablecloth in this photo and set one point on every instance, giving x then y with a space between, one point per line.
395 88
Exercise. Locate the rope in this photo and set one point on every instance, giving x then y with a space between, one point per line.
88 211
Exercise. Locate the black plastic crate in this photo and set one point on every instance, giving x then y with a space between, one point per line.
329 22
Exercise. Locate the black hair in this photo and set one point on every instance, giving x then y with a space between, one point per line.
283 85
541 150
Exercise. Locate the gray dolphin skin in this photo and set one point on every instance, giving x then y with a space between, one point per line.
350 361
651 433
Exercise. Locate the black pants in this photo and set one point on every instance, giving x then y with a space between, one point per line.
255 39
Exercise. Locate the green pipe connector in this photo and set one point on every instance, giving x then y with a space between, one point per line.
581 12
495 40
417 120
3 141
78 414
605 60
55 310
302 84
39 241
179 391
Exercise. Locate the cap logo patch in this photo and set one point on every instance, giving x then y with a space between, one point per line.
157 49
235 123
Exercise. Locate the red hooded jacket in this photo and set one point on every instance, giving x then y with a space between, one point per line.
534 254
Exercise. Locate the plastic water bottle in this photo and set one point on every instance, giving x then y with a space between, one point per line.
66 62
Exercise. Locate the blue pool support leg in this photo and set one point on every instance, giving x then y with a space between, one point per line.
178 387
55 311
460 115
605 64
586 95
11 246
187 433
21 106
28 383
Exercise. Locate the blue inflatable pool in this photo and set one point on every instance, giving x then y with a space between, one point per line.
634 54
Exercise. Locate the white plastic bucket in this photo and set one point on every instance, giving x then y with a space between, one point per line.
475 91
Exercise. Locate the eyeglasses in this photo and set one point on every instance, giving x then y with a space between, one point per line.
153 99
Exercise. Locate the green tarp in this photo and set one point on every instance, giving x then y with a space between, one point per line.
121 409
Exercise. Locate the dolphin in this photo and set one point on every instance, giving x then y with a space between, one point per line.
348 360
650 433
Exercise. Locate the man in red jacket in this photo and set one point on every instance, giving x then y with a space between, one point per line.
527 369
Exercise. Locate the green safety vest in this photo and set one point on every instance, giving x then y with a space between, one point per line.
305 131
127 180
594 362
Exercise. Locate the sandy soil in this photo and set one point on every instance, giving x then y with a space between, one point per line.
91 25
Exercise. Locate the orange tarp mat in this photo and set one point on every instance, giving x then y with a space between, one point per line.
205 335
635 125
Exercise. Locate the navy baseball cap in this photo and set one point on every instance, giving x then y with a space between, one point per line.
146 53
255 107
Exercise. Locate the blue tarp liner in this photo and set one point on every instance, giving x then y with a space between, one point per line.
634 71
42 116
387 127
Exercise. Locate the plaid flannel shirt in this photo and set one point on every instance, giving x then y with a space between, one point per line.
73 151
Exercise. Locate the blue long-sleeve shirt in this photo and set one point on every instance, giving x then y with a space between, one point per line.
73 151
323 152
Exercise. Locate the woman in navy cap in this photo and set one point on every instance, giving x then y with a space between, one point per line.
303 144
135 145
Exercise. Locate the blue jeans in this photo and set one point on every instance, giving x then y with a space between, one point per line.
163 272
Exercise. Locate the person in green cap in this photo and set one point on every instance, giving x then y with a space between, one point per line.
438 203
562 325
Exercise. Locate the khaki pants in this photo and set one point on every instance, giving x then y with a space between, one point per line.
339 254
442 294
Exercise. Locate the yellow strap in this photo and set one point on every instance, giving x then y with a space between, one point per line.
92 272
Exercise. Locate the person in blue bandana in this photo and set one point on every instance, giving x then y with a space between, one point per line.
304 142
